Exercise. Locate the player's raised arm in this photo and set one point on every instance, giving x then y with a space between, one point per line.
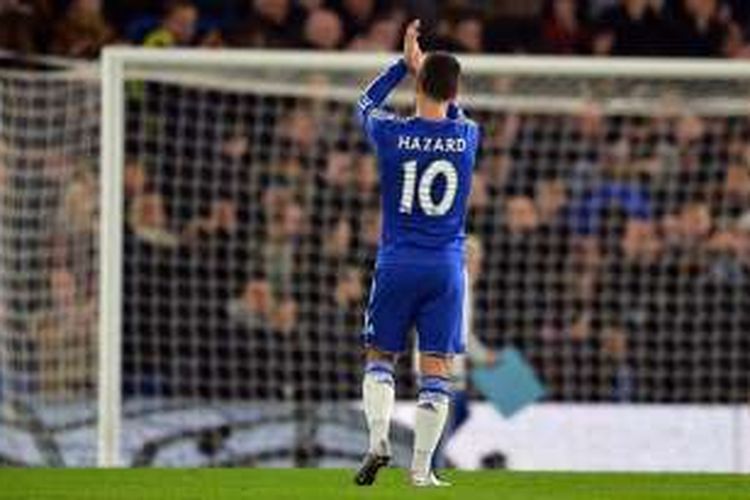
379 90
369 104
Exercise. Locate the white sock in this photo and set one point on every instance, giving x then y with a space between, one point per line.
432 414
378 393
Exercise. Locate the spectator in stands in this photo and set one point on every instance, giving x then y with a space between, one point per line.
366 181
512 25
459 30
212 39
236 145
622 27
24 25
734 196
480 197
264 321
739 12
215 261
82 31
520 272
590 123
730 321
349 291
562 30
279 253
323 30
499 138
703 30
3 172
551 201
254 306
78 211
689 230
357 16
613 189
691 284
382 36
310 5
135 179
150 271
122 13
147 219
365 207
345 239
385 33
178 26
332 189
285 317
221 218
299 135
338 242
512 9
272 23
622 313
632 28
66 323
550 198
468 33
288 173
344 311
741 245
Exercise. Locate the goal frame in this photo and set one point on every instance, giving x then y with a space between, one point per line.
113 73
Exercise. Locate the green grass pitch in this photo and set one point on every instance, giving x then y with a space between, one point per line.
225 484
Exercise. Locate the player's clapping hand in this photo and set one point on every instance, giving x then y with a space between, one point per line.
412 51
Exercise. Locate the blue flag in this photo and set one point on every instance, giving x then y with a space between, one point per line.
511 384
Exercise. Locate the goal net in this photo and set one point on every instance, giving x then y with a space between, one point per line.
611 204
49 167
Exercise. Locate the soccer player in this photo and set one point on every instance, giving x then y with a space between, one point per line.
425 165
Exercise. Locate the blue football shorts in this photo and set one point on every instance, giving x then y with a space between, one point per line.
429 297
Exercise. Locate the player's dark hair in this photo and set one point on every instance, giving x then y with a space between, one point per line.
438 77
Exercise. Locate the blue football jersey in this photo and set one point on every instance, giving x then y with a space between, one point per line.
425 169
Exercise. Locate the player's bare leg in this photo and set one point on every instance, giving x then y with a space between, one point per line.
432 413
378 394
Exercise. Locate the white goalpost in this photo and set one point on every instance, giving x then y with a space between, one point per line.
110 261
204 306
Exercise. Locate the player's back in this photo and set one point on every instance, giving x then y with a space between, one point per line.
425 175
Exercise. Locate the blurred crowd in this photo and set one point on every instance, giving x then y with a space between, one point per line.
622 262
80 28
614 250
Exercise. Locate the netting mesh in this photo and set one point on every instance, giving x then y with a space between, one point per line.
248 245
616 255
48 222
48 188
613 218
609 212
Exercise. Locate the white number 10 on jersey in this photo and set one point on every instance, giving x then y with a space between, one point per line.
429 206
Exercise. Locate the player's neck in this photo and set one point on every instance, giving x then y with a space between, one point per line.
431 110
